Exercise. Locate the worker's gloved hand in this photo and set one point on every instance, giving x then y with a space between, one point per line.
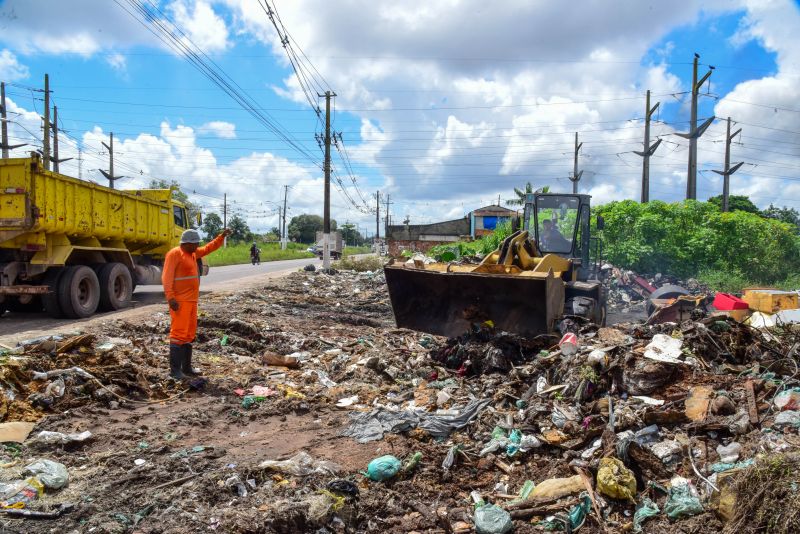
227 231
174 304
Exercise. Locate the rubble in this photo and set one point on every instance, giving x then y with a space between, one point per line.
318 415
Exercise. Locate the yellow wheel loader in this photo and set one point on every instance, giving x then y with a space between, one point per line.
539 274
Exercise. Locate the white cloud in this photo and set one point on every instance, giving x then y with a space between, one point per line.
221 129
201 24
87 27
10 68
117 62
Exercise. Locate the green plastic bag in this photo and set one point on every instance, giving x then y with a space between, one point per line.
683 500
383 468
645 511
491 519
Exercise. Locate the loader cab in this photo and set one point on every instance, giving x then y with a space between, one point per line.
560 224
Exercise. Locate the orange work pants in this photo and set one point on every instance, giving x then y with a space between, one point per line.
183 327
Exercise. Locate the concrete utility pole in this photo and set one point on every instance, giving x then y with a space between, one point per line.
695 132
326 222
110 176
46 137
283 226
726 174
576 176
225 217
80 162
56 161
4 124
386 223
378 220
648 150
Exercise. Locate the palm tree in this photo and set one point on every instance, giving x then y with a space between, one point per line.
521 195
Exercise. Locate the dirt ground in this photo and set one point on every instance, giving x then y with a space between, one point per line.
175 457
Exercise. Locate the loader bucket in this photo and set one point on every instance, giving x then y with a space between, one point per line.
447 303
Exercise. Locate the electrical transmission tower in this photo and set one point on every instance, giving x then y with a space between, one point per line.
694 132
726 173
648 149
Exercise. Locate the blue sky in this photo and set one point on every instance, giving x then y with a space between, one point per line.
441 106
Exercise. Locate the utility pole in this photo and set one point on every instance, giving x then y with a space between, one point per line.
378 221
283 227
386 223
56 161
46 137
225 216
576 176
726 174
110 176
326 216
648 150
80 162
695 132
4 124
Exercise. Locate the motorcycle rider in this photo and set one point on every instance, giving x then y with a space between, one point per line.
255 254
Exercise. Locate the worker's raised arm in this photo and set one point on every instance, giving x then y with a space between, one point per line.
168 275
213 245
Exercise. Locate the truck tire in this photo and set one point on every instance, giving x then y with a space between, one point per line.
50 299
23 304
78 292
116 286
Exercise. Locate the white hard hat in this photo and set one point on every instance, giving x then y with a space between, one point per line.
190 236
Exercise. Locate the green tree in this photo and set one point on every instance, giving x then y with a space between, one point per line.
521 194
350 235
303 228
212 225
736 202
239 230
785 214
177 193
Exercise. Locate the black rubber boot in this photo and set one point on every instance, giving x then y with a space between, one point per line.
176 361
186 362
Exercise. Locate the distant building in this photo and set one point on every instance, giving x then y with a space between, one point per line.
422 237
483 221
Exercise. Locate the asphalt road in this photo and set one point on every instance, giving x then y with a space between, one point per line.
228 277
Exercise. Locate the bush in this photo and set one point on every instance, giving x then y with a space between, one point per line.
351 263
693 238
482 246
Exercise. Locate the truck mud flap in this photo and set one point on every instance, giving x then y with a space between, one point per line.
448 303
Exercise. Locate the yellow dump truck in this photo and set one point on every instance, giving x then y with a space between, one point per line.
70 247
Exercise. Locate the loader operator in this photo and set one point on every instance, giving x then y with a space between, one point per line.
552 240
181 281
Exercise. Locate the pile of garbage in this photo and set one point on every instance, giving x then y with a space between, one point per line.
318 415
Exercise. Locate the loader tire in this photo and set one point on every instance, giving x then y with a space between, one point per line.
669 291
116 286
78 292
50 299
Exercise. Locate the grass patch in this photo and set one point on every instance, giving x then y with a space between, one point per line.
734 283
349 251
240 253
768 499
351 263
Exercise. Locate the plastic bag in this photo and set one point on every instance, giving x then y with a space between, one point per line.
788 399
615 480
45 437
300 465
683 499
20 493
645 511
491 519
52 474
383 468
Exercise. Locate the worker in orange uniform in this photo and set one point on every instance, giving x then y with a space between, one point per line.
181 281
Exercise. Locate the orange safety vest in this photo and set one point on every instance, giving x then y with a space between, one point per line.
181 276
